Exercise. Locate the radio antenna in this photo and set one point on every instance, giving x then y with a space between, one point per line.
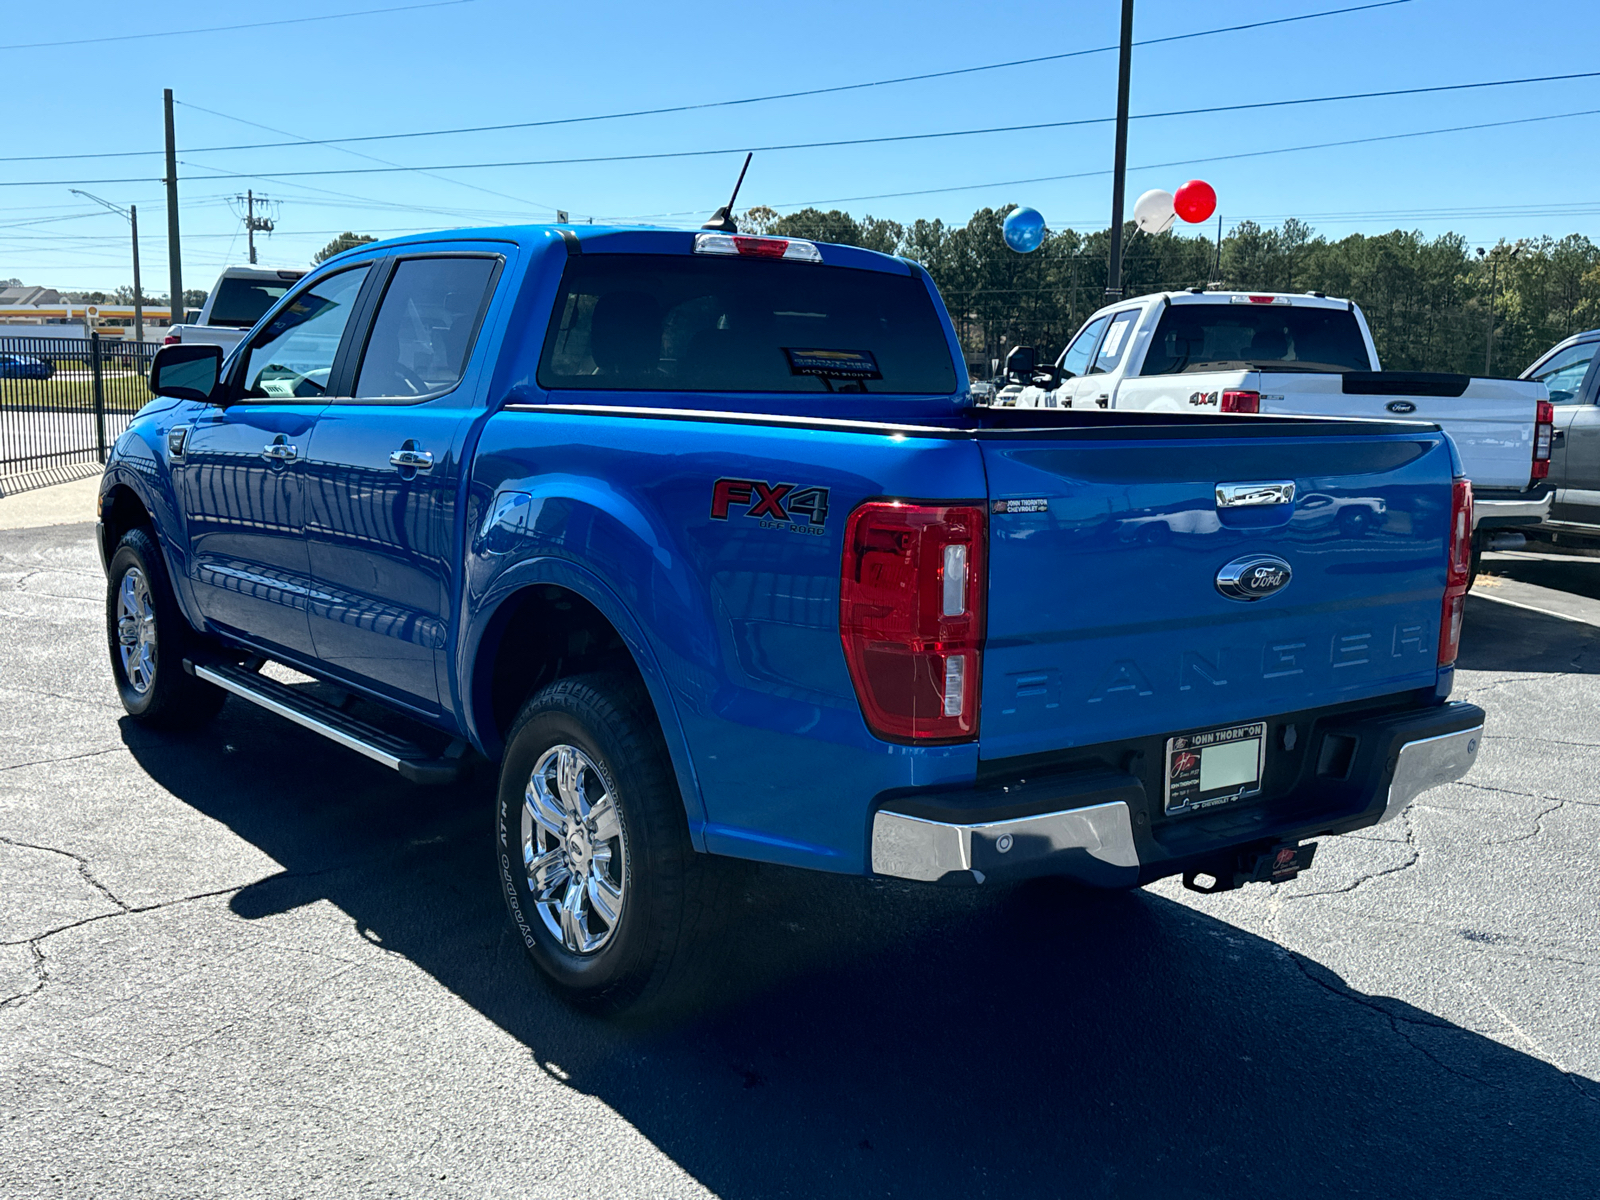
722 220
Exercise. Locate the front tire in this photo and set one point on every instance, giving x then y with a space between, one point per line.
148 637
607 894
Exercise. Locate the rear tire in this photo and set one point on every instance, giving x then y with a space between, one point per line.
1477 562
148 638
606 893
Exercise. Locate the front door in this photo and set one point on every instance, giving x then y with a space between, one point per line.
1570 375
383 477
242 473
1075 360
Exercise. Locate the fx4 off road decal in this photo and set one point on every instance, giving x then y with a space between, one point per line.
775 505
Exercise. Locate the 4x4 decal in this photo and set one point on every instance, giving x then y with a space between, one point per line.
775 505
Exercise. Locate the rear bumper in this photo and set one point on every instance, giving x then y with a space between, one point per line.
1102 828
1501 508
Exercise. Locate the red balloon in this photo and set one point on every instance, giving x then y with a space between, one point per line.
1195 201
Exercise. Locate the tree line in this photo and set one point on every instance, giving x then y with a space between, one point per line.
1426 299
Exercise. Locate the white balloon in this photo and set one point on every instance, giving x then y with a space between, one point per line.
1153 211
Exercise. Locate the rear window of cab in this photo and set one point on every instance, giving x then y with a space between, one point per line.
642 322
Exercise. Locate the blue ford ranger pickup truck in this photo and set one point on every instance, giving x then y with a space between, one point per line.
702 537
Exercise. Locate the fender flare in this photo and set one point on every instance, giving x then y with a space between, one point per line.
575 578
165 519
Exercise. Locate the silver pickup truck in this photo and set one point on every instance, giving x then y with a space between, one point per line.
239 298
1304 355
1570 370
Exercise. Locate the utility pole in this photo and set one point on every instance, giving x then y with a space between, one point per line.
138 292
1216 270
252 223
1120 167
174 256
131 213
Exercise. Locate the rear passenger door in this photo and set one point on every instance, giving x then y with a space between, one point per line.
383 476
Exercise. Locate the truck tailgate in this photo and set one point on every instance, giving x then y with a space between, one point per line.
1491 421
1105 619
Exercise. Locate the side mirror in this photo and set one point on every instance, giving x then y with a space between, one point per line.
1020 363
186 372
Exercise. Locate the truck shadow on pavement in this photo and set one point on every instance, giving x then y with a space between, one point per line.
876 1039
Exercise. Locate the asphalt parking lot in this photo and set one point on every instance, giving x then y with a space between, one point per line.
249 963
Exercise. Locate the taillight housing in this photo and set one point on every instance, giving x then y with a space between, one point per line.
172 339
1458 571
1544 434
745 246
911 603
1241 401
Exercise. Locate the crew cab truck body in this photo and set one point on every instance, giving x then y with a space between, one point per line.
1306 355
704 540
240 297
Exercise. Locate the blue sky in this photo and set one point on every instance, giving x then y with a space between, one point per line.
500 61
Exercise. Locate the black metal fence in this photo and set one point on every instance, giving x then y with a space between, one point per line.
63 402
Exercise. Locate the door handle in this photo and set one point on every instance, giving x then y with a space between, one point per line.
1558 436
409 459
280 451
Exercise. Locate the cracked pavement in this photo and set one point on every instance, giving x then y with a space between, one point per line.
249 963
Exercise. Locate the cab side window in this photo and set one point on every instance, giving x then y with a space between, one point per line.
292 358
1116 343
1564 373
1076 359
425 327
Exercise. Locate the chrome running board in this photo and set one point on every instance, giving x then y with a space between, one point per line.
310 712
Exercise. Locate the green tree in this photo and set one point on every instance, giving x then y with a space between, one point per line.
345 241
1426 299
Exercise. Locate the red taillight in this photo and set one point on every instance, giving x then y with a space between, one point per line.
1544 433
172 339
762 247
1458 571
1241 402
911 600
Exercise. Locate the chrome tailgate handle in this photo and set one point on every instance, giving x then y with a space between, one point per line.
1250 495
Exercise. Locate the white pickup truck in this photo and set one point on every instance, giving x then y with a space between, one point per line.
240 298
1301 355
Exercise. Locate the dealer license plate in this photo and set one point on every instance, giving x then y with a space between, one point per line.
1215 767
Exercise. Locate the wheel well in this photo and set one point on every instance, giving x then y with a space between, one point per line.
539 635
120 511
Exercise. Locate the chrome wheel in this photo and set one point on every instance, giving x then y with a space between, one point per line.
573 849
136 630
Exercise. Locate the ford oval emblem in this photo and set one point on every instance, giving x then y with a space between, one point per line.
1254 577
1401 407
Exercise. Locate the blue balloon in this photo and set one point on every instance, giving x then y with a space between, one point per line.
1024 230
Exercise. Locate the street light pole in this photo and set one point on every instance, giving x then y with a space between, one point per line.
131 215
1120 166
1494 273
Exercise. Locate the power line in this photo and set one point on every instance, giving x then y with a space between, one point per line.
1190 162
885 139
681 108
370 158
132 37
